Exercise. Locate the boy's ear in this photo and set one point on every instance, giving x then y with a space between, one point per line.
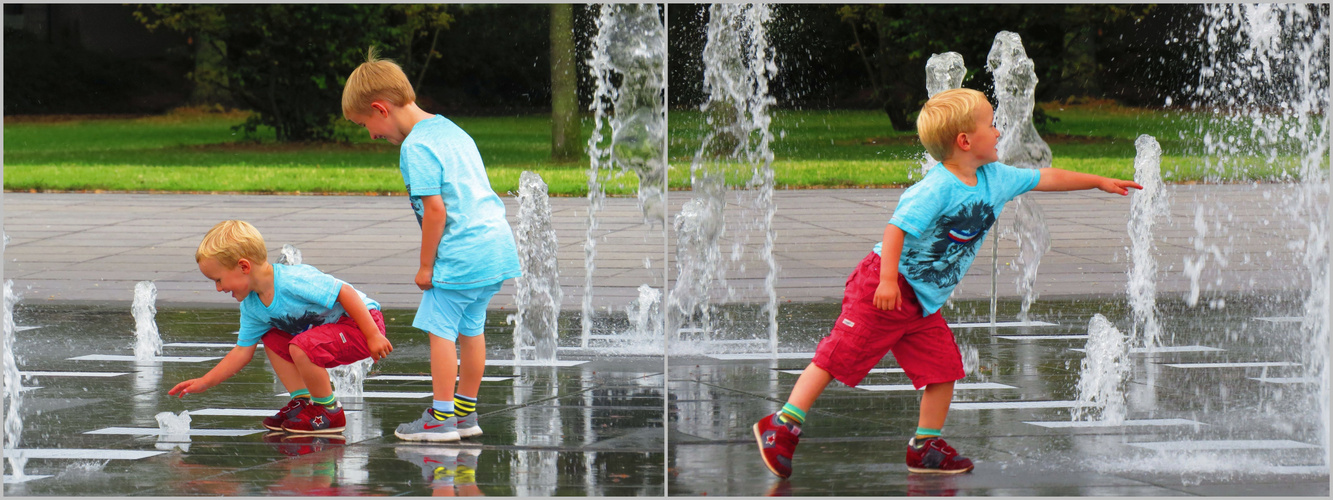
379 108
244 265
962 142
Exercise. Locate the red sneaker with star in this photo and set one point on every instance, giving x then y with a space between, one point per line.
317 419
934 456
777 441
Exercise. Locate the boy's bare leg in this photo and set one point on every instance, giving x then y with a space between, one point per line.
316 378
286 371
473 353
443 368
808 388
935 399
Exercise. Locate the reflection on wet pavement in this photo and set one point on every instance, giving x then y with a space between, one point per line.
592 429
1213 413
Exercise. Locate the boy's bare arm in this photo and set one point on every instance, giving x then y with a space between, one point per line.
230 364
887 295
1054 179
432 229
378 345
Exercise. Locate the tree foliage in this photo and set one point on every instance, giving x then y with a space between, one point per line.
288 62
894 42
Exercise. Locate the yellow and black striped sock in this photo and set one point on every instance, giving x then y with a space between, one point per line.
464 406
440 415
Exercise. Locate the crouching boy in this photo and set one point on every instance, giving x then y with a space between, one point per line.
308 321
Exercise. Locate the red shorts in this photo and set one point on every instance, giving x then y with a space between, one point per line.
863 334
335 344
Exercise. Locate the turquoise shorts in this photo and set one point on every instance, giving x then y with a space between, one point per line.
450 313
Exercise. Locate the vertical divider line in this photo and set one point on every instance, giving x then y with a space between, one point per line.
666 254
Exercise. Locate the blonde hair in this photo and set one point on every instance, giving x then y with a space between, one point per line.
946 115
374 80
229 242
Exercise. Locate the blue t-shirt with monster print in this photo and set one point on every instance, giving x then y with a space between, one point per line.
303 298
477 248
946 221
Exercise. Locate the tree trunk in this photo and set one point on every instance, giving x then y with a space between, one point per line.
565 133
210 75
1078 72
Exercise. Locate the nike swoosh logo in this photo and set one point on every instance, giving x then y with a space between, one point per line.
429 427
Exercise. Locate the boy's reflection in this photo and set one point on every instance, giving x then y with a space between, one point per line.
450 471
313 470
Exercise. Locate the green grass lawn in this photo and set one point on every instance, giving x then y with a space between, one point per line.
189 152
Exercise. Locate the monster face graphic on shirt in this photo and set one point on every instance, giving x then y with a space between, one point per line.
295 326
955 237
417 207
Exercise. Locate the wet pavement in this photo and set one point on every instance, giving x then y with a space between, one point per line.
594 428
1220 412
596 425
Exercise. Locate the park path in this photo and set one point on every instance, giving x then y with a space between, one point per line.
93 248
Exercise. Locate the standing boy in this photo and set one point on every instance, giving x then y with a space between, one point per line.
308 321
467 247
931 240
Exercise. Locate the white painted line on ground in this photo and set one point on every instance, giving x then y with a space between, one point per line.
1158 422
146 431
427 378
1287 380
956 387
24 329
378 395
163 359
763 355
71 374
26 477
29 388
244 412
1166 349
1298 469
80 454
1042 337
510 362
1001 324
1227 444
1016 405
872 371
1282 319
1231 365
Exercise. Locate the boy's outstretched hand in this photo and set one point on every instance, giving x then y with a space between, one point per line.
1117 186
195 385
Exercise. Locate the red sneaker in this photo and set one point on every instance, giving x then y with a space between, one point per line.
293 408
777 441
934 456
316 419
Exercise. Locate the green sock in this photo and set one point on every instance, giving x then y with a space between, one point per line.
328 402
301 394
923 433
790 413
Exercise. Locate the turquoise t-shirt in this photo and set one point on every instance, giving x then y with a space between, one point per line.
477 249
303 298
946 221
